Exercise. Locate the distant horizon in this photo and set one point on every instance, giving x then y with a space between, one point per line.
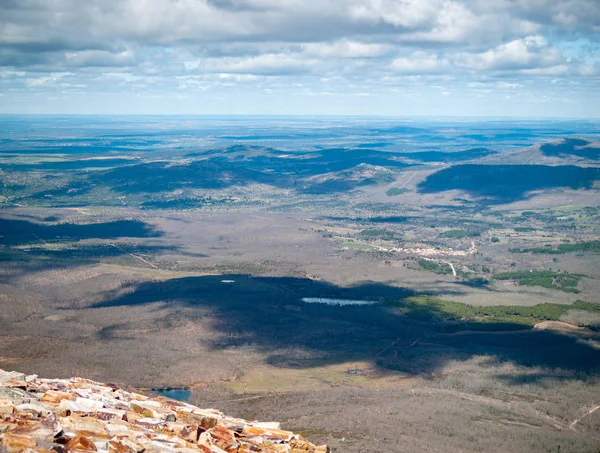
315 115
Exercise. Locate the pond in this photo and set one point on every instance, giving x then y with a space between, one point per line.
175 394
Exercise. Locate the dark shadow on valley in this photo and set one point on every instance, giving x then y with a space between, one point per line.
29 246
154 177
98 252
243 165
508 183
571 147
18 232
268 313
448 156
484 284
374 219
74 189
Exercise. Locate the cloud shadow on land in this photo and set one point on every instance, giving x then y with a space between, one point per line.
268 313
571 147
508 183
240 166
374 219
27 246
18 232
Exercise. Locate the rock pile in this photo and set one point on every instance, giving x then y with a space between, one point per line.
79 415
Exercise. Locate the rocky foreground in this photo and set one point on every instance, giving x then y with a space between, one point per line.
79 415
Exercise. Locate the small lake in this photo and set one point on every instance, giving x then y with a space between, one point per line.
175 394
340 302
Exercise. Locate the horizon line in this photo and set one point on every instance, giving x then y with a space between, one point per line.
304 115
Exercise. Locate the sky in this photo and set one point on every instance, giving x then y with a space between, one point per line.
473 58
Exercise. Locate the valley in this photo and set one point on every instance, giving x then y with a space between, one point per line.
361 290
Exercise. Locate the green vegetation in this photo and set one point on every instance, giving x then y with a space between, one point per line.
428 308
438 268
459 234
572 208
495 239
394 191
547 279
386 235
381 177
590 246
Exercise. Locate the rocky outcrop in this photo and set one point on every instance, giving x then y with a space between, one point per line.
79 415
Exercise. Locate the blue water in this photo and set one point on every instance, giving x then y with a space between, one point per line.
175 394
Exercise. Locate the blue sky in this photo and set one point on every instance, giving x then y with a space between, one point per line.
518 58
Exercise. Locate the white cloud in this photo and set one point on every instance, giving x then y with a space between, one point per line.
313 45
345 49
271 63
508 85
403 13
99 58
48 80
240 77
419 63
525 53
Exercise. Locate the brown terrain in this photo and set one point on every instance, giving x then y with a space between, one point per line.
212 305
442 325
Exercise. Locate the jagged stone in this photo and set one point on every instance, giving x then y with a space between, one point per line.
110 414
14 443
80 443
10 378
15 396
53 396
68 407
190 433
78 415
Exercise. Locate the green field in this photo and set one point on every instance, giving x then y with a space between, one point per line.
384 234
548 279
394 191
581 247
459 234
431 308
438 268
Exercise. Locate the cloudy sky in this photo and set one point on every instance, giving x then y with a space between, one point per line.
531 58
